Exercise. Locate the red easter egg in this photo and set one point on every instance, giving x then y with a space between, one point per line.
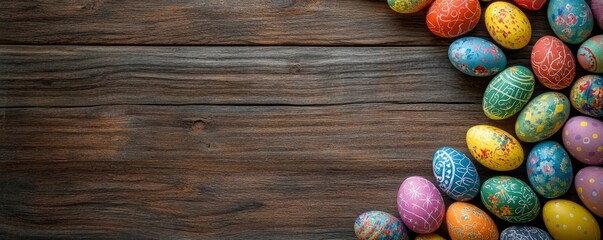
453 18
553 63
531 4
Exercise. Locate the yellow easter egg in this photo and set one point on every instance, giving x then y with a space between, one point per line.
508 25
494 148
568 220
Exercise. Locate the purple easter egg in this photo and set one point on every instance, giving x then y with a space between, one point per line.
420 205
583 139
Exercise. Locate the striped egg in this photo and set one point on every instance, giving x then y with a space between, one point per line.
508 92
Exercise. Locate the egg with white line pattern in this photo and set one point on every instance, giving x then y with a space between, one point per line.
420 205
455 174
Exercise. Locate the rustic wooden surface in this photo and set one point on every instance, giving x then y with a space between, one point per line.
223 119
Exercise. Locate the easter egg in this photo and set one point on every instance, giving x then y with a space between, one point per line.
420 205
494 148
379 225
524 233
550 169
587 95
571 20
531 4
466 221
590 54
553 63
476 57
510 199
583 139
408 6
453 18
508 92
597 8
568 220
508 25
430 236
455 174
589 185
542 117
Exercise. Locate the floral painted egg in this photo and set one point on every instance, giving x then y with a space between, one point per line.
587 95
430 236
524 233
590 54
583 139
466 221
550 169
453 18
553 63
589 185
597 8
494 148
455 174
571 20
476 57
408 6
379 225
531 4
542 117
508 25
420 205
510 199
565 219
508 92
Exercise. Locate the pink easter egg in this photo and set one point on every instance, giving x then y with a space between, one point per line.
420 205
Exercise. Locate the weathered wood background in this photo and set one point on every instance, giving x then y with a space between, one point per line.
223 119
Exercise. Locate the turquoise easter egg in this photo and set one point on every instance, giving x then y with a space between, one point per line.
510 199
550 169
571 20
476 56
590 54
542 117
508 92
455 174
379 225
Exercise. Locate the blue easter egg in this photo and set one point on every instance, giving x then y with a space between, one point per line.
524 233
550 169
455 174
571 20
476 57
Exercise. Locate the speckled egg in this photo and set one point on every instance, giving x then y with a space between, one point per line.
553 63
508 92
587 95
532 5
550 169
455 174
589 185
597 8
420 205
571 20
476 57
542 117
524 233
408 6
590 54
430 236
466 221
379 225
568 220
494 148
583 139
510 199
453 18
508 25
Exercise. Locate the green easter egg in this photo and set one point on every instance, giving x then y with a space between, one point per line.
508 92
510 199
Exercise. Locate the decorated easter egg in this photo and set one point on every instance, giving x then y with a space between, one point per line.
476 57
408 6
550 169
379 225
494 148
587 95
590 54
571 20
453 18
455 174
466 221
583 139
508 92
430 236
565 219
531 4
510 199
589 185
597 8
542 117
524 233
420 205
508 25
553 63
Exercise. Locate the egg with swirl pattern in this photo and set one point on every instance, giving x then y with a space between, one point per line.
553 63
508 92
455 174
453 18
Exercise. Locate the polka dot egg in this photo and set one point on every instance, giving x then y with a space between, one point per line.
589 185
583 139
379 225
568 220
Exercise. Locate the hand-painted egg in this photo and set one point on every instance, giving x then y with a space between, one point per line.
466 221
531 4
583 139
571 20
420 205
430 236
589 185
568 220
590 54
542 117
476 57
453 18
510 199
587 95
408 6
379 225
494 148
553 63
524 233
508 25
550 169
455 174
508 92
597 8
